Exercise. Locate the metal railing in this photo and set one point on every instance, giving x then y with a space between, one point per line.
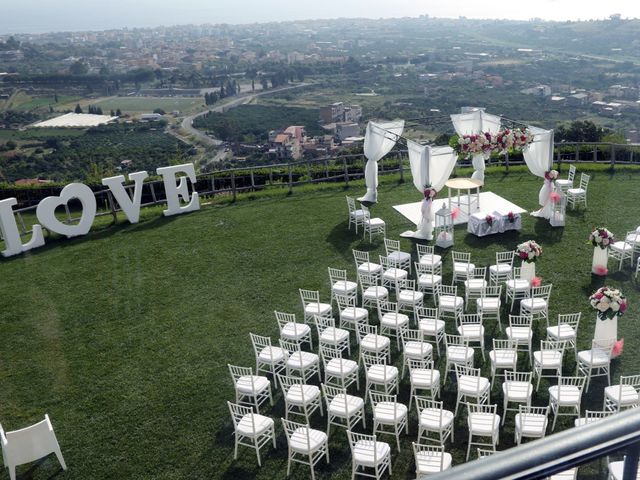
619 433
339 169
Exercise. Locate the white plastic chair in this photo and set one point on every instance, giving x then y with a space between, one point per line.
299 398
291 330
537 305
633 238
370 341
625 394
470 327
616 471
462 266
520 331
378 374
356 215
391 272
503 268
29 444
364 264
368 453
392 249
516 388
595 362
531 422
407 296
343 410
331 336
566 330
392 322
423 377
299 362
549 357
591 416
251 429
504 355
458 352
387 412
350 314
430 324
449 303
433 418
269 359
312 306
338 371
372 292
621 251
637 268
340 284
306 445
567 394
428 281
373 226
475 283
517 288
483 421
579 195
428 258
256 389
415 347
489 304
430 459
471 385
566 184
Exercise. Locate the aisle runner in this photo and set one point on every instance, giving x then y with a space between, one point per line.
489 202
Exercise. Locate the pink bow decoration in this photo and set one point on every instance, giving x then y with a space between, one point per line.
536 282
455 212
617 348
601 270
555 197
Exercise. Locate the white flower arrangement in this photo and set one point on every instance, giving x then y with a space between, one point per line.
609 302
529 251
601 237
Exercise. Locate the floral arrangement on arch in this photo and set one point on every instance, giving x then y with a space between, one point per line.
609 302
429 192
474 144
601 237
501 142
529 251
551 175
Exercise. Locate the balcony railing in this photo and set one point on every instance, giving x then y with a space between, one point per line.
541 458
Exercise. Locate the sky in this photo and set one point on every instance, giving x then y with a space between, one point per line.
38 16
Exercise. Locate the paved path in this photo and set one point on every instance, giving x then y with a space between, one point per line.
187 123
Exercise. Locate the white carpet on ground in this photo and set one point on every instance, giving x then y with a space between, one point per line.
489 203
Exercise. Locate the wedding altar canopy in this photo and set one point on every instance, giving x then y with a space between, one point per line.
381 137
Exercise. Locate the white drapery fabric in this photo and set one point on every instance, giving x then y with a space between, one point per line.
429 166
538 156
379 139
476 122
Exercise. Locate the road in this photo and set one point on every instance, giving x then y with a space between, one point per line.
187 123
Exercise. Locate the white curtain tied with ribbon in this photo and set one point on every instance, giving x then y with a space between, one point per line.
538 156
476 122
429 166
379 139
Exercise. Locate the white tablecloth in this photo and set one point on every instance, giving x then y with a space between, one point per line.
479 226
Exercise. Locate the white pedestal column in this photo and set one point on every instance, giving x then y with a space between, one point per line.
606 329
528 271
600 261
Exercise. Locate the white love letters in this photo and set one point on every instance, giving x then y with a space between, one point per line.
45 211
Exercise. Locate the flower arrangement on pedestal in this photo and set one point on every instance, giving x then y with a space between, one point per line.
609 302
601 237
529 251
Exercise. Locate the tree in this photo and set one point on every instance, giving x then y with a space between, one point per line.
159 111
55 97
579 131
78 108
99 111
112 113
78 68
118 113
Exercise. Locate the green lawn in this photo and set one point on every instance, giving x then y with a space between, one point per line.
148 104
123 336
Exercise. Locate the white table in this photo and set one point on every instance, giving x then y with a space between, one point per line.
468 184
479 226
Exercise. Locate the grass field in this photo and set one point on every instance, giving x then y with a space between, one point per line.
123 336
148 104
